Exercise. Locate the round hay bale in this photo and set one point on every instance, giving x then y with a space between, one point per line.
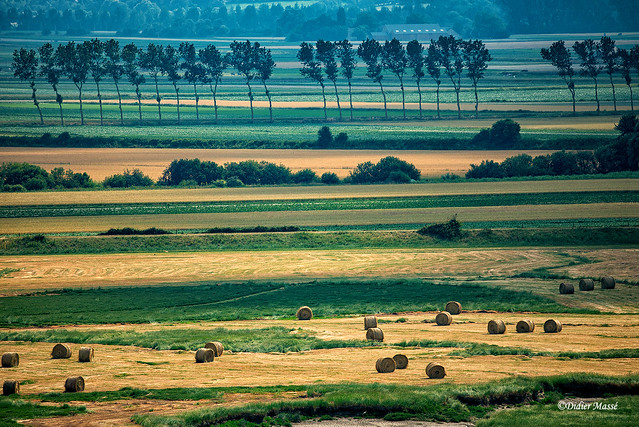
435 370
10 387
10 360
385 365
566 288
496 327
74 384
608 282
586 285
85 354
453 307
525 326
304 313
552 326
443 318
370 322
401 361
61 351
216 346
375 334
204 355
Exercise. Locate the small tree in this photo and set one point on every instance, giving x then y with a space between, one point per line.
451 59
25 67
131 56
312 68
171 68
114 69
559 56
74 61
610 58
433 64
151 60
370 52
625 67
51 71
324 137
348 62
264 66
589 53
395 60
415 53
214 64
242 58
476 58
97 66
326 55
193 71
505 133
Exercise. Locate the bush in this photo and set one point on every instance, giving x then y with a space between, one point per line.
30 176
134 178
305 176
450 177
202 173
486 169
450 230
329 178
505 133
388 169
14 188
324 137
234 182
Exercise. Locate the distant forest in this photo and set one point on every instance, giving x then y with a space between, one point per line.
308 20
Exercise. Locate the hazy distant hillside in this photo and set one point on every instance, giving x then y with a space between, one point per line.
315 19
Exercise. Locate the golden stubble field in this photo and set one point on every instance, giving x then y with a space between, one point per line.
102 162
117 366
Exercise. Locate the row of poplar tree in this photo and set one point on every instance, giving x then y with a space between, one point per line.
96 60
595 58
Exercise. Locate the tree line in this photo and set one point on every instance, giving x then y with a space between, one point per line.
18 177
620 155
96 61
595 57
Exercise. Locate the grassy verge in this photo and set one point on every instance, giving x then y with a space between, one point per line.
14 408
451 403
561 235
251 300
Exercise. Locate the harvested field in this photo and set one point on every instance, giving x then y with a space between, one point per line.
320 192
62 271
102 162
64 224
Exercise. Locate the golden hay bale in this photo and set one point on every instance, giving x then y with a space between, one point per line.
61 351
85 354
370 322
216 346
496 327
586 285
608 282
453 307
552 326
74 384
304 313
566 288
10 387
204 355
10 360
401 361
385 365
375 334
435 370
443 318
525 326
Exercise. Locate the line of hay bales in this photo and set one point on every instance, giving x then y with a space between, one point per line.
586 285
525 326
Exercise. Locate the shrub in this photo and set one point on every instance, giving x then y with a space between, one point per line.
627 124
234 182
450 177
247 171
14 188
388 169
450 230
68 179
324 137
329 178
201 173
486 169
505 133
20 173
520 165
399 177
134 178
274 174
305 176
35 183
